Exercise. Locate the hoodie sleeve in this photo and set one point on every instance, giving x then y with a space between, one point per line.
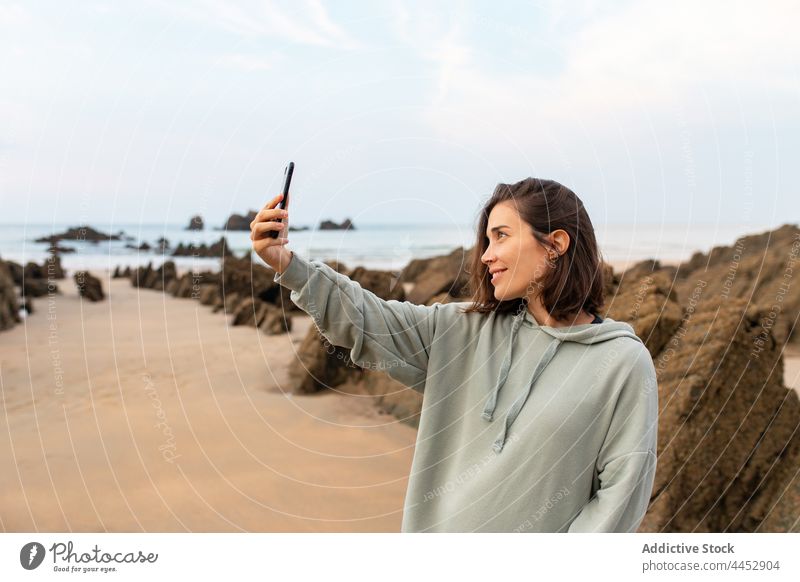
626 464
391 336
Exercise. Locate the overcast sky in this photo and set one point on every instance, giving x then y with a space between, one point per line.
653 112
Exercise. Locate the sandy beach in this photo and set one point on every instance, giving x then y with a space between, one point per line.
145 412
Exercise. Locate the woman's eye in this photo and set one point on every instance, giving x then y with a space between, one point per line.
499 233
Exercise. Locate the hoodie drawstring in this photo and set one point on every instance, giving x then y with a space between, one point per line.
516 407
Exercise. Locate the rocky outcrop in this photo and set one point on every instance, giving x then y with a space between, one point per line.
729 442
80 233
330 225
195 223
645 299
120 273
760 268
218 249
439 277
89 286
239 222
9 306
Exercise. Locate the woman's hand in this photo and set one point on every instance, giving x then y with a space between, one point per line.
271 250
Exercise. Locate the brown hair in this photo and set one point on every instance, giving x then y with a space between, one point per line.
576 281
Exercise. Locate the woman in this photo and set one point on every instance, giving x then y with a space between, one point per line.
537 414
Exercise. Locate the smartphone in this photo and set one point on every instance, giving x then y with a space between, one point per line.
284 203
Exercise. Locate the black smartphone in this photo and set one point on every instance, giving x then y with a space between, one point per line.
284 203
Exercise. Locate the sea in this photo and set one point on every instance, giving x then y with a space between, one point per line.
374 246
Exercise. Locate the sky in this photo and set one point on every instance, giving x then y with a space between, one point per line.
397 112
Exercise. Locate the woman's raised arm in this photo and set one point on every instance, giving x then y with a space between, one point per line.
392 336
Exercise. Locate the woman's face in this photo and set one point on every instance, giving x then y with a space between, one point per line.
514 252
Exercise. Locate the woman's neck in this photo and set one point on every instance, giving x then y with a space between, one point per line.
542 317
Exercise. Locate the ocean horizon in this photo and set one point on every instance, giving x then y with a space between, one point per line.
375 246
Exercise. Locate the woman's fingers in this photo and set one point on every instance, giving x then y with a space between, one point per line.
260 228
269 212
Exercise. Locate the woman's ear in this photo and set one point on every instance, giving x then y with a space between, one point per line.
560 239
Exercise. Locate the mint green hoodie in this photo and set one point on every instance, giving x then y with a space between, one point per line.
524 427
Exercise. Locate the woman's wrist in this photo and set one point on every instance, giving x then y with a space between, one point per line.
283 261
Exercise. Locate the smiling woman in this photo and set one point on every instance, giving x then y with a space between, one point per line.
536 245
527 425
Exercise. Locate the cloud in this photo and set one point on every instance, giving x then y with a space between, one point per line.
245 62
643 57
306 23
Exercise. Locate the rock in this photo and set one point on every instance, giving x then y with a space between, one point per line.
162 244
759 268
330 225
248 279
649 304
82 233
217 249
728 429
250 312
143 276
142 247
384 284
208 294
163 275
431 277
89 286
52 267
320 365
57 250
195 223
276 321
239 222
9 307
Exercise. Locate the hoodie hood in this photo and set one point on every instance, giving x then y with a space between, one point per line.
585 333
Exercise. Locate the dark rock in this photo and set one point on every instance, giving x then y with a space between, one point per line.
58 250
89 286
9 307
276 321
729 442
330 225
239 222
217 249
52 267
84 233
431 277
760 268
384 284
649 304
320 365
195 223
142 247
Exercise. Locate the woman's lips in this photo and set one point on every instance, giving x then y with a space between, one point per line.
497 274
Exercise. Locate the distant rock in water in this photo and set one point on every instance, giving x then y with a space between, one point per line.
217 249
196 223
239 222
89 286
55 249
330 225
142 247
162 244
86 233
